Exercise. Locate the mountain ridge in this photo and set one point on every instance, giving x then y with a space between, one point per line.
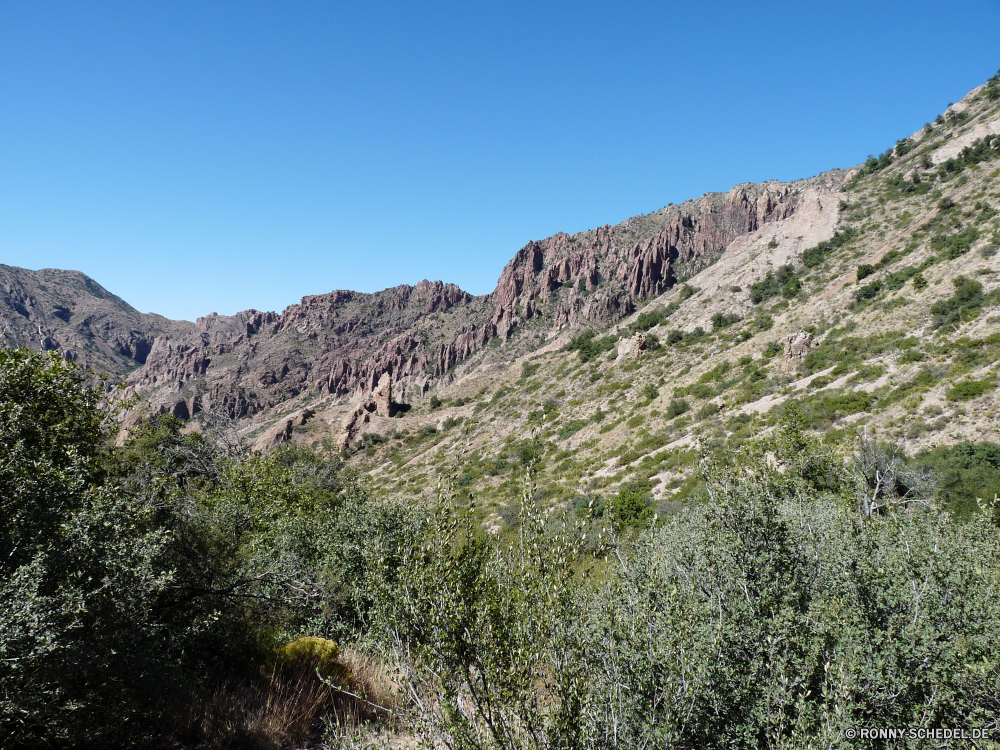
705 318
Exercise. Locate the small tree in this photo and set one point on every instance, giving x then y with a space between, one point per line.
885 479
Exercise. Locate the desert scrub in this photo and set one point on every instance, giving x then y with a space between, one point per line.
969 389
519 635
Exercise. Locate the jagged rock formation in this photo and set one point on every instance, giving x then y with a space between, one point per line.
383 397
345 345
797 348
378 404
633 346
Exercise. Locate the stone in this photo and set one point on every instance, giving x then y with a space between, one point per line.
797 347
383 397
278 434
633 346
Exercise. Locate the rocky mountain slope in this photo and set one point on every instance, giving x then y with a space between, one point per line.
612 356
873 305
70 312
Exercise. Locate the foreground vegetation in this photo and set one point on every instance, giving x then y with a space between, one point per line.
178 591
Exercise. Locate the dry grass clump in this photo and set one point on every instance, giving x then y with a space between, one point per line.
309 686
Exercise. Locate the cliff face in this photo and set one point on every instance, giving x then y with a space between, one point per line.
598 276
331 345
338 345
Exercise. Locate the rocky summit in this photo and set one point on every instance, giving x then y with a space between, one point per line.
866 297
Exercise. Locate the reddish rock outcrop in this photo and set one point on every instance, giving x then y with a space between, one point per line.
347 345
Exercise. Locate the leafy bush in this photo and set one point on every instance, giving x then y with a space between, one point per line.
571 428
992 90
895 280
828 618
781 281
965 472
721 320
158 570
528 369
814 256
963 305
677 407
969 389
978 152
868 291
652 318
708 410
629 509
955 245
772 349
588 347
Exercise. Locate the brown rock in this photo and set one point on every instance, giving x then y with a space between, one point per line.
797 347
280 433
633 346
383 396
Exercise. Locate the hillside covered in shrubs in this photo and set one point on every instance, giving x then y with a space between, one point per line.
179 591
754 502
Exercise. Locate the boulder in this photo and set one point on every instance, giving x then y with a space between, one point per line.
634 346
797 347
280 433
383 397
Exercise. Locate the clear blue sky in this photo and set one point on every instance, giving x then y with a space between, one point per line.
199 157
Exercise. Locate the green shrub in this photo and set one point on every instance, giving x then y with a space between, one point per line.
588 347
763 322
528 369
773 284
868 292
963 305
969 389
161 569
827 616
677 407
571 428
955 245
652 318
814 256
895 280
772 349
965 472
635 421
629 509
708 410
721 320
